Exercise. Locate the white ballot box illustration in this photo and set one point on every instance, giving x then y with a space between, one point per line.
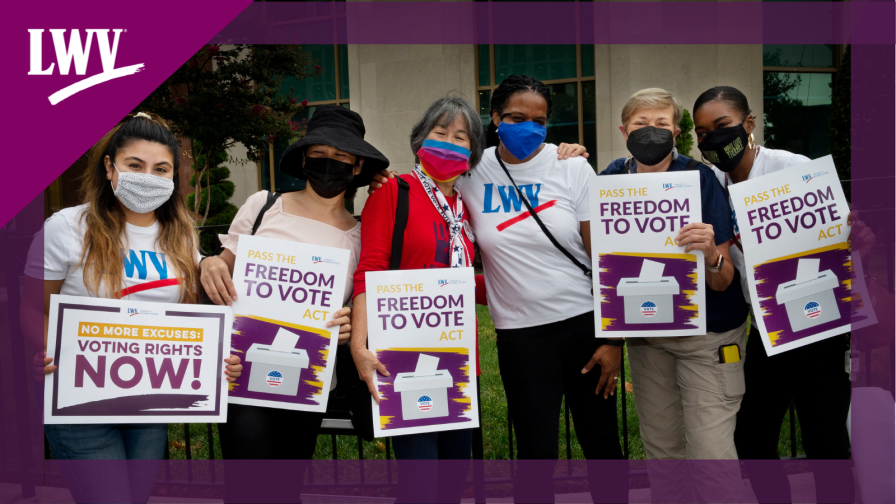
424 393
648 298
277 368
809 300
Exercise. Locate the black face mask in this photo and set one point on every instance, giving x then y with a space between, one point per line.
650 145
725 147
328 177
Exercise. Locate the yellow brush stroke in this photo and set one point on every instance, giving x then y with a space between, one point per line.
325 354
836 246
384 421
314 383
232 350
847 299
463 400
232 386
320 332
462 351
774 336
605 323
690 257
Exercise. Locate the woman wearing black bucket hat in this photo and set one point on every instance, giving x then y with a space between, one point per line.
335 160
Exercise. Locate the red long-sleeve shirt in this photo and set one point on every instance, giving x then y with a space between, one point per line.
426 237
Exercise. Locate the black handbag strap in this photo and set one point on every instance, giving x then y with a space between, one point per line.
272 198
585 269
401 221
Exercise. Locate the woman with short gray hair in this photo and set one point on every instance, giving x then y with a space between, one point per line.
446 141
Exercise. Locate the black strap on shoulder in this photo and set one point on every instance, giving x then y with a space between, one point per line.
401 221
692 164
561 248
272 198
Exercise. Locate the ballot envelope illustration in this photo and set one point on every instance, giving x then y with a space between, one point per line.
277 368
648 298
424 392
809 299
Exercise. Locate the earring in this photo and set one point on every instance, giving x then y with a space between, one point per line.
751 143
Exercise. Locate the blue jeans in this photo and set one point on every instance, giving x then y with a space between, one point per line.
105 478
433 467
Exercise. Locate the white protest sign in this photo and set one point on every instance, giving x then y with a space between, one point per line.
644 283
286 293
421 325
136 362
794 232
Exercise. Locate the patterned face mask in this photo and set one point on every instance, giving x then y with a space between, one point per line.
141 192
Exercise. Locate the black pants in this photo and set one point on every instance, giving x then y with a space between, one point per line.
813 377
254 433
539 366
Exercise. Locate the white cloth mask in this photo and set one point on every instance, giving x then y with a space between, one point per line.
142 192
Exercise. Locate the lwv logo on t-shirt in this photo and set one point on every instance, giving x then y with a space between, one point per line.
78 53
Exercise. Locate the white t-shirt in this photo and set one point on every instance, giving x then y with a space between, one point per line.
529 282
144 263
767 161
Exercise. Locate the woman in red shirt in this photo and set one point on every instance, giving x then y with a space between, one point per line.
447 141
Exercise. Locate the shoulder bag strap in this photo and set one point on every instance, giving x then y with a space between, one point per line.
585 269
401 221
272 198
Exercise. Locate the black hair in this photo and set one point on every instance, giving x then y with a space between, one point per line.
510 86
725 93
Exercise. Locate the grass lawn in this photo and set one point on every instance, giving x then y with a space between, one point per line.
493 420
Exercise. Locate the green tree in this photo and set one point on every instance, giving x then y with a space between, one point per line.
840 125
685 141
214 196
224 96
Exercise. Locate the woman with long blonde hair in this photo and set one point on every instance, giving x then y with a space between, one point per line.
131 239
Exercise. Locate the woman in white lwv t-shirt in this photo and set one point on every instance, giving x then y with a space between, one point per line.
132 239
812 376
539 299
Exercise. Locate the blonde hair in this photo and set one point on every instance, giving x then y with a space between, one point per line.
652 98
105 238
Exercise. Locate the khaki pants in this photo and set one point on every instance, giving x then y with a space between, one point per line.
687 407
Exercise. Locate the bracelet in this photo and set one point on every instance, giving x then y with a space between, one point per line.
614 342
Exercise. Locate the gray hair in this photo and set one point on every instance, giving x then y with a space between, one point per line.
442 113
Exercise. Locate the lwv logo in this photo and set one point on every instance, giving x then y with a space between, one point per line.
78 53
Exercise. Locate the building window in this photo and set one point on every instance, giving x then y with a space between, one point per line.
568 70
330 87
797 82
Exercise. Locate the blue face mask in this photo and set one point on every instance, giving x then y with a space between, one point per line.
522 139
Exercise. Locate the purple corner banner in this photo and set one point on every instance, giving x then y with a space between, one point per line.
563 23
154 40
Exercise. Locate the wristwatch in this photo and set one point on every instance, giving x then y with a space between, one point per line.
615 342
718 267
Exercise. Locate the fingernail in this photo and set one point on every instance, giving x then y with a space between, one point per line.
584 370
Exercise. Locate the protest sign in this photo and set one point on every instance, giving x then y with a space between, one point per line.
644 283
286 293
136 362
421 325
794 233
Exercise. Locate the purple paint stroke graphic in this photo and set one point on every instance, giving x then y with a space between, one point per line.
136 405
582 22
248 330
771 274
616 266
405 361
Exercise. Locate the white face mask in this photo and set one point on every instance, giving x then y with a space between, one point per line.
142 192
